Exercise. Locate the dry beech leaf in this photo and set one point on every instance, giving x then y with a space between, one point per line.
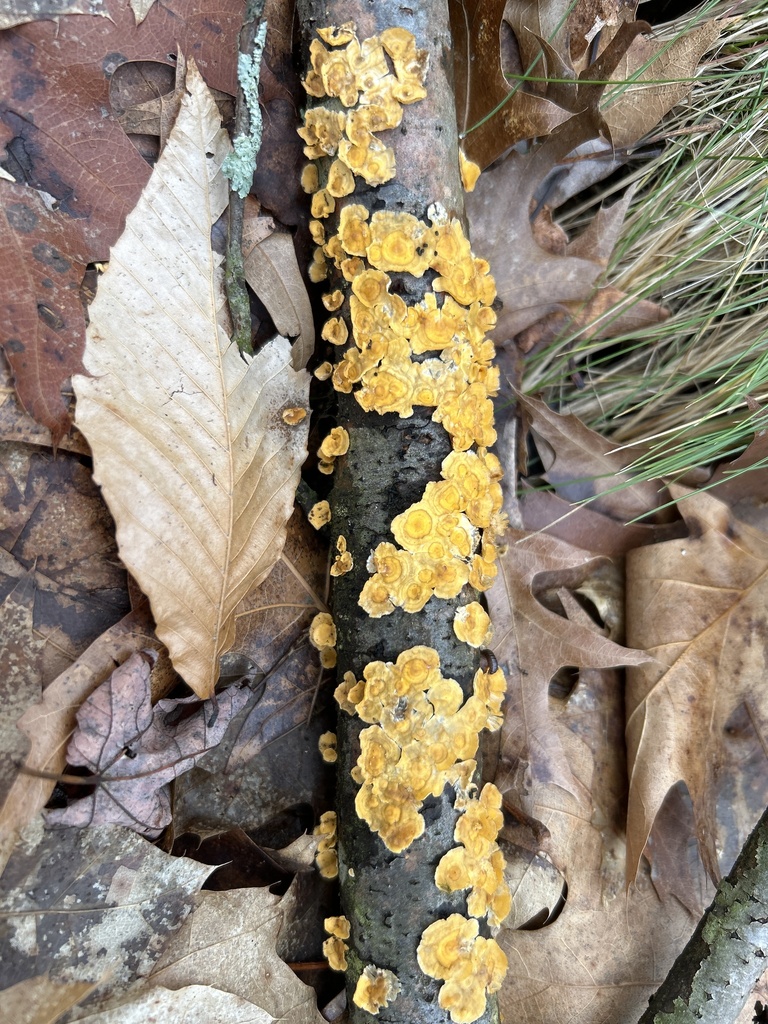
141 9
190 448
699 606
194 1004
136 749
272 270
19 12
532 642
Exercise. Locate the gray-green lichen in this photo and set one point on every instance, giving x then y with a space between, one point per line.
241 162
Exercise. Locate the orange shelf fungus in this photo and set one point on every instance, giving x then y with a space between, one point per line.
470 172
322 632
376 988
343 562
335 330
470 966
336 443
335 948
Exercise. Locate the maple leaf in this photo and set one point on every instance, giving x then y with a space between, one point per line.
698 605
136 749
195 460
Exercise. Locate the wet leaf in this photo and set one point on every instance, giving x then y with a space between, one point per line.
196 462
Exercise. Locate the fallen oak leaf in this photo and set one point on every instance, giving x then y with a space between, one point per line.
698 605
532 642
195 460
135 749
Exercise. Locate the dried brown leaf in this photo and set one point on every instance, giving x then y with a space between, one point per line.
532 642
698 605
581 464
60 138
19 12
481 87
230 939
49 723
195 460
136 749
40 1000
272 270
632 111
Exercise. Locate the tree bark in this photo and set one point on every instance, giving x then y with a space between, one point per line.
390 898
711 980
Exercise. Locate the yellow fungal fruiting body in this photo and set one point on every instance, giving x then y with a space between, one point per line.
320 514
335 948
327 747
326 858
470 966
422 734
376 988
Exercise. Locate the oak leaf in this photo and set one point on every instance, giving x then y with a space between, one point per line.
698 605
136 749
533 642
190 447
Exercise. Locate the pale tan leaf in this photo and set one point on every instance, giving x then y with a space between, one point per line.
229 938
662 72
272 270
141 9
195 1004
40 1000
699 606
190 446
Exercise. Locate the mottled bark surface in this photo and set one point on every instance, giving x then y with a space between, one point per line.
389 898
712 978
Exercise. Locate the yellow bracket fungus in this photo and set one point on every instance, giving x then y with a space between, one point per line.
376 988
472 625
326 858
294 416
422 736
470 966
320 514
479 864
335 948
342 563
327 747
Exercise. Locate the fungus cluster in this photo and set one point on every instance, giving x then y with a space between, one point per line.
335 948
322 635
439 538
478 864
376 988
365 98
422 735
421 732
471 967
326 858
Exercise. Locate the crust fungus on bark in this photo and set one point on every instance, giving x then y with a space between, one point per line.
413 377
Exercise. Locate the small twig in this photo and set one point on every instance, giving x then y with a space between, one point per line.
240 165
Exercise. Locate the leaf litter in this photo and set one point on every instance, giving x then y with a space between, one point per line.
562 759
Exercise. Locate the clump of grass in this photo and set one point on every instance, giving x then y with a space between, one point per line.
695 240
